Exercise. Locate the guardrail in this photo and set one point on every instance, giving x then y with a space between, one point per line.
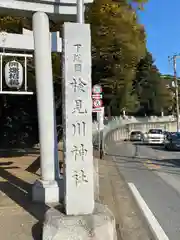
119 128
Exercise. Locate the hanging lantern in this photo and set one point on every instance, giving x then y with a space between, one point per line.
14 74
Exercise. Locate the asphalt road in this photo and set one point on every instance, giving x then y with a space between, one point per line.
156 174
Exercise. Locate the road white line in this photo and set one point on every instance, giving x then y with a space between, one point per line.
155 227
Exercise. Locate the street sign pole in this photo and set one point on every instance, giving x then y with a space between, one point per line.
99 109
100 117
99 135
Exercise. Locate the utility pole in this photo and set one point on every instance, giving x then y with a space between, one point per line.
174 58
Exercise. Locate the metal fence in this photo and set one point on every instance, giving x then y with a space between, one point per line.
118 128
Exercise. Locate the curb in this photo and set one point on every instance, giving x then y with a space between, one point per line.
142 230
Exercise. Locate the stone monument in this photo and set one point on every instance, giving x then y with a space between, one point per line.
77 117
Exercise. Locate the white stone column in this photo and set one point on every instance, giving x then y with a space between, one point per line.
46 189
77 119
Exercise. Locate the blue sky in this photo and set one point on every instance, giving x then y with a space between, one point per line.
161 19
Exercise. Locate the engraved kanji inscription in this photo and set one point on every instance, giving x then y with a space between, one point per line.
79 152
77 67
77 55
79 108
77 47
79 129
77 59
80 177
78 84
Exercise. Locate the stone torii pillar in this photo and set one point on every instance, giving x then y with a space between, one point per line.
47 188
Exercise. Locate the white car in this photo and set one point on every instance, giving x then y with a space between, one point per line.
154 136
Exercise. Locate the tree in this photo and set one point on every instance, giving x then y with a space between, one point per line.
118 43
170 85
11 24
152 91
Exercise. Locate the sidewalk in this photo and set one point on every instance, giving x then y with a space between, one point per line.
20 219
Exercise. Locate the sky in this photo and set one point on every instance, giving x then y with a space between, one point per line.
161 19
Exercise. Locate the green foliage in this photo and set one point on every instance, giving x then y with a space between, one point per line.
118 43
11 24
152 91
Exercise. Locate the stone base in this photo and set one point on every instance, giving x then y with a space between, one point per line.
98 226
47 191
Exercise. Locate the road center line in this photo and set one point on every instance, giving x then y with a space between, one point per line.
154 225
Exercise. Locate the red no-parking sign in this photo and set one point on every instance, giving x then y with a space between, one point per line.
97 98
97 103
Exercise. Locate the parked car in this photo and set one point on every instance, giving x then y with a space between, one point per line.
136 136
166 133
154 136
172 141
